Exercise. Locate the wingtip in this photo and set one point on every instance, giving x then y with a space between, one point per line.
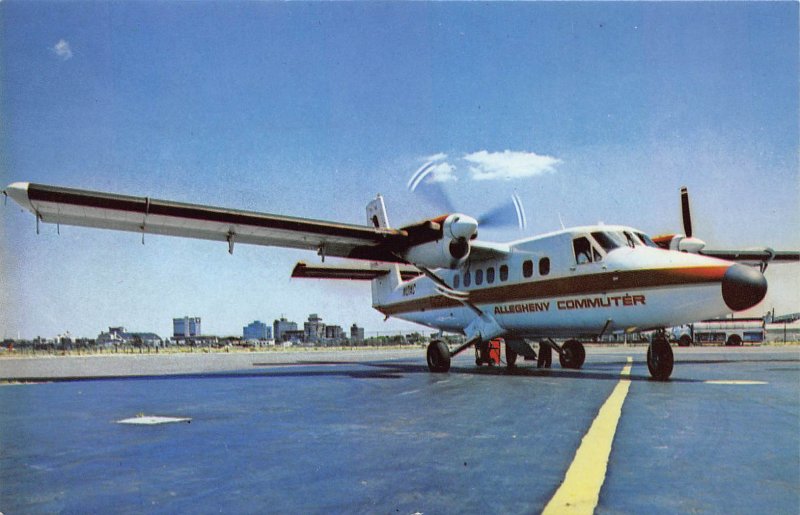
18 191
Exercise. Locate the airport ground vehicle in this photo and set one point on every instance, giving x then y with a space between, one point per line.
729 331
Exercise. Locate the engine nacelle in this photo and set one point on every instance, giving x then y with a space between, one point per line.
451 250
680 242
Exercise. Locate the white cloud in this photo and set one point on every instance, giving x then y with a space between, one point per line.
443 172
62 49
509 164
441 156
432 172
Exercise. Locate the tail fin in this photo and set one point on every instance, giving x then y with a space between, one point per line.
376 213
383 286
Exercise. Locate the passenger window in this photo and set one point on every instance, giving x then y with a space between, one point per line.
503 273
490 275
544 266
583 250
467 279
456 281
478 277
527 268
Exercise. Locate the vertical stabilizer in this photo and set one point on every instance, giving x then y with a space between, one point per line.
383 286
376 213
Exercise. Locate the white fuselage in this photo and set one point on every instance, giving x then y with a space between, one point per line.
542 288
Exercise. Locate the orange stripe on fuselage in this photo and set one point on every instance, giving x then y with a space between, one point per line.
574 285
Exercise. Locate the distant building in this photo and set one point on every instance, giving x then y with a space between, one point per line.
334 332
257 330
279 328
356 333
314 329
119 336
186 327
294 336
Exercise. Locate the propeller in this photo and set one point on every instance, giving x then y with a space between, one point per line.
433 190
688 243
507 214
687 213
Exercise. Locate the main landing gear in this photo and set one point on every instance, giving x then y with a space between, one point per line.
438 356
572 354
659 357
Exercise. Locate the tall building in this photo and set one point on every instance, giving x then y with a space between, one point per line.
334 332
257 331
314 329
356 333
186 327
279 327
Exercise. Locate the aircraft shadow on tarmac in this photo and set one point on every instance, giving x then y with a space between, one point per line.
605 371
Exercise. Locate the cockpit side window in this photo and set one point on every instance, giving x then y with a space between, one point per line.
584 251
631 239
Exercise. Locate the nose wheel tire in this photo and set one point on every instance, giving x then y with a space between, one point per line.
572 354
660 359
438 357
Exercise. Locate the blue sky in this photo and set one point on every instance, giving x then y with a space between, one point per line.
312 109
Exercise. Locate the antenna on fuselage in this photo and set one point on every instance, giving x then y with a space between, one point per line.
561 221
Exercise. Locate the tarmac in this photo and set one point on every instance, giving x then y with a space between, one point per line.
375 432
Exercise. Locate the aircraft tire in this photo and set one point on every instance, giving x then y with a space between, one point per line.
685 341
572 354
511 357
660 359
438 357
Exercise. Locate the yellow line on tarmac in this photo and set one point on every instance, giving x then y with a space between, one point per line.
580 490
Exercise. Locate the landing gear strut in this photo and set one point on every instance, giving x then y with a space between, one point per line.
511 357
659 358
545 358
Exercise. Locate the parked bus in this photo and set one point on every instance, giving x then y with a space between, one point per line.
729 331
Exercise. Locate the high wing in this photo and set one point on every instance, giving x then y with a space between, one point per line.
52 204
353 272
753 257
688 243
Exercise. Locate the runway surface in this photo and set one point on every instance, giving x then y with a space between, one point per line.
377 433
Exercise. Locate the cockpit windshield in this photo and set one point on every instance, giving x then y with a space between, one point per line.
646 240
610 240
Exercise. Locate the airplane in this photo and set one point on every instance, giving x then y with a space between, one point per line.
575 283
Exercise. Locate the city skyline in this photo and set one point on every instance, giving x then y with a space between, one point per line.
588 111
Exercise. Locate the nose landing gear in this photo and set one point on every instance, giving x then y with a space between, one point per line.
659 357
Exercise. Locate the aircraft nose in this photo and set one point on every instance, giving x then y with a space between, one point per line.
743 287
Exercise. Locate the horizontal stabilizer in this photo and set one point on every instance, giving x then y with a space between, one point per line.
354 272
